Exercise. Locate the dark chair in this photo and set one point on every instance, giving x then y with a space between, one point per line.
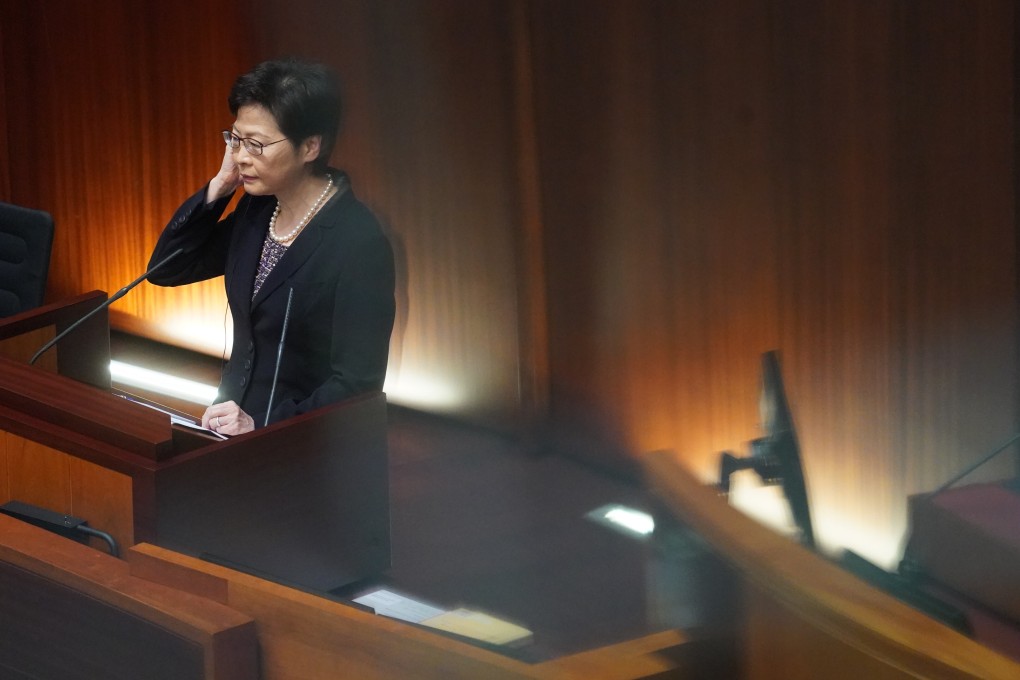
26 239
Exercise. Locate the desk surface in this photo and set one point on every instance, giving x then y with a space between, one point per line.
477 523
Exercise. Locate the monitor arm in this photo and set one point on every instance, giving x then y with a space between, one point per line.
764 464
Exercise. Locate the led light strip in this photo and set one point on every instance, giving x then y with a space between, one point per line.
624 519
172 386
633 520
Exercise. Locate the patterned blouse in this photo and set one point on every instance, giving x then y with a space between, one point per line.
273 251
271 254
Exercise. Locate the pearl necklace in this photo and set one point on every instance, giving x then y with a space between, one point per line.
304 220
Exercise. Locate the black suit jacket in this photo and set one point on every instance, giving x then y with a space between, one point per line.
342 274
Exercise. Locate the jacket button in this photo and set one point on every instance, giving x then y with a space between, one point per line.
244 380
247 364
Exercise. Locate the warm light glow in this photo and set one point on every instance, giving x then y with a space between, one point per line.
834 531
881 547
208 333
421 390
154 381
766 504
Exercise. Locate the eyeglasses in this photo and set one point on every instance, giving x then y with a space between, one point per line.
252 146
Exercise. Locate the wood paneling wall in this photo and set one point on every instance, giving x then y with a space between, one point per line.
5 178
625 201
430 142
113 113
833 180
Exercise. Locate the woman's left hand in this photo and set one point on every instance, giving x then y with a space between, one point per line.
227 418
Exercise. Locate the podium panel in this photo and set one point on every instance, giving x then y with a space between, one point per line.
303 501
37 474
73 613
968 539
51 479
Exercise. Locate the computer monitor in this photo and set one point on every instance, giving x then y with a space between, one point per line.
775 457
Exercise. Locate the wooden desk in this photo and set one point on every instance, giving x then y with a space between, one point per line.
68 612
806 617
801 617
308 637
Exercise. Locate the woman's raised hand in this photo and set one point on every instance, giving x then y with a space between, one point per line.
227 179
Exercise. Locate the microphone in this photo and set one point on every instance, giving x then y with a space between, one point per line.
981 461
279 355
109 301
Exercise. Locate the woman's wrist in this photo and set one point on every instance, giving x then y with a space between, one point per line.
216 191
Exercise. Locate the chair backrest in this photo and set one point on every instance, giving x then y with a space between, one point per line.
26 239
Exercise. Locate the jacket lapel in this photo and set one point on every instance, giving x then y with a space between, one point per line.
296 256
249 251
304 245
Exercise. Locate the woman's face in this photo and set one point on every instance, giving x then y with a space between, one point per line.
281 166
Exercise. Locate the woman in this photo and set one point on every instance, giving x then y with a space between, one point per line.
299 240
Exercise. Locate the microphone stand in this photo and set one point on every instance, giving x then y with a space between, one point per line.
984 459
109 301
279 356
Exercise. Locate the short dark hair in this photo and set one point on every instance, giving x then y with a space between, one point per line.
304 98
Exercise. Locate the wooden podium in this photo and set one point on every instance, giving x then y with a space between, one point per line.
967 539
303 502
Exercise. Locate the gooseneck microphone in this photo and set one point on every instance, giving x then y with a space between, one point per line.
109 301
981 461
279 356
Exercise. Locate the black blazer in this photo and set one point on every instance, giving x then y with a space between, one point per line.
341 270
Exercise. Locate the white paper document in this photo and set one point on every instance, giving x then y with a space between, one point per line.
398 606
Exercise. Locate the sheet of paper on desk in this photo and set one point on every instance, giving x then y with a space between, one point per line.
479 626
398 606
175 418
192 425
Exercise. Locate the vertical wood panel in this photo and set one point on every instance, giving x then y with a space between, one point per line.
42 476
839 297
833 180
5 477
429 142
531 277
121 104
118 109
104 499
654 125
5 176
38 475
898 308
23 347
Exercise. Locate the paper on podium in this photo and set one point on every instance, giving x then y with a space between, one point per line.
176 417
479 626
397 606
464 622
193 425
